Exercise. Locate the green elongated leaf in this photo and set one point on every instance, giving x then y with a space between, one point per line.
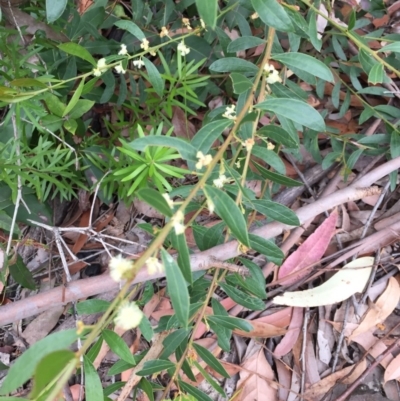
305 63
3 366
147 388
118 346
156 200
24 366
78 51
49 368
229 212
270 157
366 60
392 47
210 360
240 83
231 323
71 126
273 14
155 366
212 382
131 27
395 144
119 367
244 43
242 298
179 242
146 329
208 134
74 99
279 135
233 64
186 150
27 82
55 9
112 388
12 399
207 10
20 273
195 392
154 77
255 283
223 334
276 211
173 340
93 387
278 178
82 106
377 74
267 248
54 104
177 288
296 111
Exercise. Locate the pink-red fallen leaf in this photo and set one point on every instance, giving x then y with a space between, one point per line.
257 377
292 334
382 308
75 390
299 263
393 369
280 318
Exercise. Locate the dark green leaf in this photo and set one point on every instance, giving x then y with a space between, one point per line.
267 248
146 387
233 64
92 306
146 329
195 392
306 63
49 368
131 27
242 298
24 366
377 74
154 77
278 135
55 9
229 212
173 340
207 10
177 288
155 366
156 200
210 360
244 43
276 211
119 367
278 178
231 323
75 97
179 242
273 14
20 273
118 346
255 283
240 83
295 110
212 382
78 51
93 387
208 134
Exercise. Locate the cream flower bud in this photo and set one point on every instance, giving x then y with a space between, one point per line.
220 181
123 51
183 49
145 44
168 200
138 63
120 268
129 316
100 68
177 220
154 266
204 160
119 69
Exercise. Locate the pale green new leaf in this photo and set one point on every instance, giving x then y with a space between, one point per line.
54 9
77 50
154 77
208 11
75 97
233 64
131 27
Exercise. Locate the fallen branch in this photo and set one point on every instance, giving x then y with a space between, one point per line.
84 288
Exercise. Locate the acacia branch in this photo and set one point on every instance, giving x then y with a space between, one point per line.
84 288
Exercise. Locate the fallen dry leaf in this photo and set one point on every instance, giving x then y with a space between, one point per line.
299 263
256 379
262 330
393 369
379 311
292 334
347 375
